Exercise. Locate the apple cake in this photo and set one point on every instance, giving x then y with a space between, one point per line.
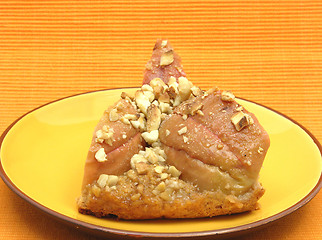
173 150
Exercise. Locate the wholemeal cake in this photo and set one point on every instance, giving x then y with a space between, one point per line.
172 150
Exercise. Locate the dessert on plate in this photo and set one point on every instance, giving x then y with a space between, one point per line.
172 150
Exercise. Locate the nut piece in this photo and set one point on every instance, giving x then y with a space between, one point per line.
136 158
158 86
184 88
113 115
142 101
174 171
153 118
100 155
142 167
227 96
102 180
151 137
240 120
183 130
166 58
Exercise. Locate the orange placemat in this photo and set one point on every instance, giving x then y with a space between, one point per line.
266 51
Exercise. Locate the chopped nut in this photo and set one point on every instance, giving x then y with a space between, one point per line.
164 43
151 156
151 137
112 180
158 169
239 108
240 120
199 112
113 115
140 123
227 96
184 116
135 197
125 95
142 101
158 87
184 88
102 180
185 139
249 118
153 118
165 107
164 176
136 158
160 187
165 196
96 191
166 58
260 150
142 167
183 130
174 171
131 174
146 87
100 155
167 132
196 91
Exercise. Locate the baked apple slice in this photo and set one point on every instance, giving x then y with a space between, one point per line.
173 150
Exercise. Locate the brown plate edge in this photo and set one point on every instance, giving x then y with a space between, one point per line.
123 234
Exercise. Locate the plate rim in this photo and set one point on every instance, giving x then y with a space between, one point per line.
127 234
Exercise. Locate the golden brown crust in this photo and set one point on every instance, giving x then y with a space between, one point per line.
200 205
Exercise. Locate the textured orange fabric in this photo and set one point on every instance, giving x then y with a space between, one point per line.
266 51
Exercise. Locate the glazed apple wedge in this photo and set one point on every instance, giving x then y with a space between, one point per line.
173 150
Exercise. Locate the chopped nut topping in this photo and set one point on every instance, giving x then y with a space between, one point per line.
160 187
150 155
240 120
112 180
164 43
141 167
113 116
142 101
158 87
185 139
165 107
159 169
102 180
196 91
167 132
227 96
260 150
135 197
96 191
151 137
184 88
166 58
164 176
153 118
140 123
183 130
174 171
147 87
136 158
239 108
100 155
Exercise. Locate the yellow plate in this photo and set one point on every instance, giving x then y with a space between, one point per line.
43 155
